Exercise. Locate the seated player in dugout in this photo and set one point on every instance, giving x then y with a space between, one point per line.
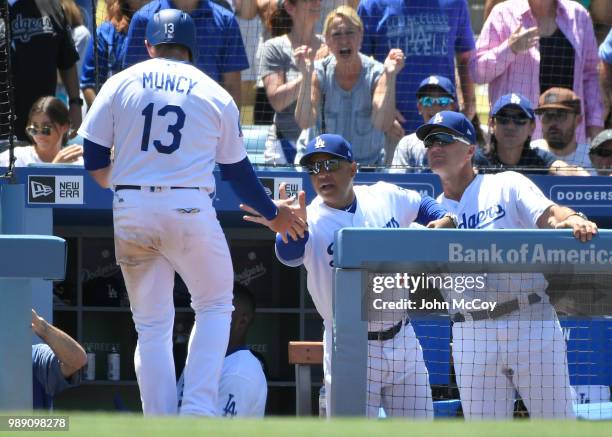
55 362
512 124
404 390
242 388
48 127
494 354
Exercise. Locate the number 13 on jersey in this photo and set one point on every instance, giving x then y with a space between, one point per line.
174 129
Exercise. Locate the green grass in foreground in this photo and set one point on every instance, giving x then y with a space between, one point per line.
92 425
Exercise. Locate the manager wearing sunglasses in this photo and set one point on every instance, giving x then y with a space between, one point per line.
512 124
47 128
330 161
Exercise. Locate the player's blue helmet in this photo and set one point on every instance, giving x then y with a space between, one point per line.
171 26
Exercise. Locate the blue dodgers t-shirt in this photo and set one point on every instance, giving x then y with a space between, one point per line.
430 32
219 43
110 51
605 49
47 377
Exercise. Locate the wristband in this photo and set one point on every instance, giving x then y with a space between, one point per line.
75 101
579 214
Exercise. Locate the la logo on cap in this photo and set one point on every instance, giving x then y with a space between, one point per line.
514 98
438 118
319 143
433 80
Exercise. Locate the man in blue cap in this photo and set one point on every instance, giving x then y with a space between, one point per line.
512 124
435 94
403 390
494 351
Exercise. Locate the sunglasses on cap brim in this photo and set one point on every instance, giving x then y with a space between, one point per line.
443 139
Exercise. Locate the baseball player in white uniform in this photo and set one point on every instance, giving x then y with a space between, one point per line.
243 388
169 123
397 377
518 346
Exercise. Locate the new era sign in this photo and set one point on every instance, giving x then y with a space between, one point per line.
55 190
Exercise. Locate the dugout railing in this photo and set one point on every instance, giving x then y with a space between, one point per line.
360 252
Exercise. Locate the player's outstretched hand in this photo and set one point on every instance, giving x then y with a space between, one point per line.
291 217
583 230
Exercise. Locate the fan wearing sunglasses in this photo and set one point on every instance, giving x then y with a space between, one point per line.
435 94
512 124
601 153
329 159
47 127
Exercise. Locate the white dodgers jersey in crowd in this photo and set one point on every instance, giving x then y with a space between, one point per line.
243 389
381 205
506 200
169 123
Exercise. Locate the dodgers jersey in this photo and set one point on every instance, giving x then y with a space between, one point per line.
506 200
169 123
243 389
381 205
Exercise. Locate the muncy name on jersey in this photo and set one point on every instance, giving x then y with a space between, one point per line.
167 82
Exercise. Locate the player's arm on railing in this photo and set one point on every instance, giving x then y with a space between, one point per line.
68 351
562 217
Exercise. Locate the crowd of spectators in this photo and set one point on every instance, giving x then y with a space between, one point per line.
370 70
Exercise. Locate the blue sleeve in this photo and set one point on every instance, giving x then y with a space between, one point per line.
465 37
246 185
46 369
605 50
232 57
293 250
95 156
88 71
429 210
546 156
135 49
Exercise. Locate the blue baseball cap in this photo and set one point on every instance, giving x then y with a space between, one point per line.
516 100
331 144
449 121
437 81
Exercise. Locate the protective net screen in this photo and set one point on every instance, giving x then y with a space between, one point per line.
377 72
488 345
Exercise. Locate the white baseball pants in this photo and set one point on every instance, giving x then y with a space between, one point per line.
398 379
495 358
157 233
